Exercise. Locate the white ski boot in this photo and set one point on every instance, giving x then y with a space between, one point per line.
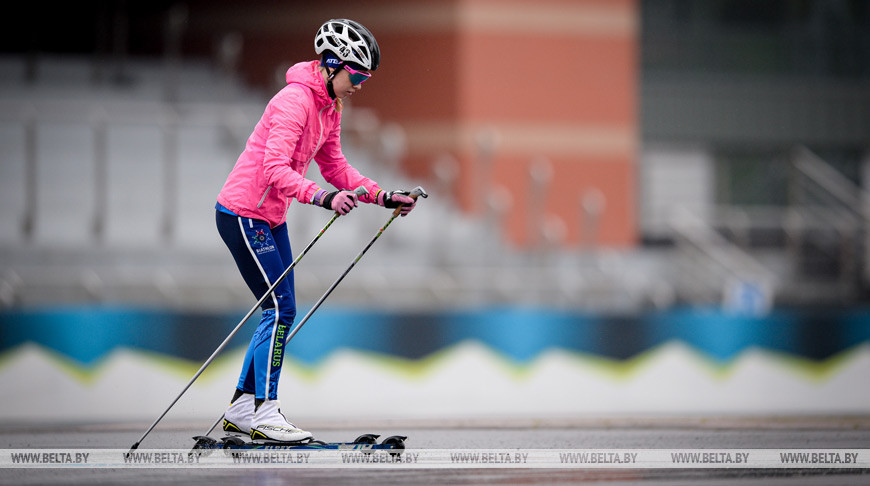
270 424
239 415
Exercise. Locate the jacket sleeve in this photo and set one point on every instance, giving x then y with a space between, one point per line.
287 120
335 168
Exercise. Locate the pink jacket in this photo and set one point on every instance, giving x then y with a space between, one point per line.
299 125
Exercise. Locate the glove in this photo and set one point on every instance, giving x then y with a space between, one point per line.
395 199
339 201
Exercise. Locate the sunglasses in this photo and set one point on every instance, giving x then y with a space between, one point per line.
356 77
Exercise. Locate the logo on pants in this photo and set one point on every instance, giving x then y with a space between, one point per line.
262 242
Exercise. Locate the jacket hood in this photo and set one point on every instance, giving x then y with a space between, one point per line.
308 74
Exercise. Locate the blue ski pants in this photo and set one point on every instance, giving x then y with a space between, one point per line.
262 254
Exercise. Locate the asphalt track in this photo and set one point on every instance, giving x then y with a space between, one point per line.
589 433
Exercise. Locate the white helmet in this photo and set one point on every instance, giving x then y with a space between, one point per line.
349 41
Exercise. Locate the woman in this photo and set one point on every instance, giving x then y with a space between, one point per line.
300 124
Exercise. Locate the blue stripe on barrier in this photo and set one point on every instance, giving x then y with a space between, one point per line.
521 334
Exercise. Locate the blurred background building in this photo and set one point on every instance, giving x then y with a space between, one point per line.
621 154
620 159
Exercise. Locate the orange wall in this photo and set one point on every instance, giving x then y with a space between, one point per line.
567 93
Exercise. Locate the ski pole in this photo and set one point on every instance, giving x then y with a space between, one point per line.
360 191
415 193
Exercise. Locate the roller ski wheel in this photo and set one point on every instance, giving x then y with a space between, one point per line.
204 442
395 443
233 442
203 446
367 439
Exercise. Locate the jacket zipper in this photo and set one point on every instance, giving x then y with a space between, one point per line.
319 138
264 197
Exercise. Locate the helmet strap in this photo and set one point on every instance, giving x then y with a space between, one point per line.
329 89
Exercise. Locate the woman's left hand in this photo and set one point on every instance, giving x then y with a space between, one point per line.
395 199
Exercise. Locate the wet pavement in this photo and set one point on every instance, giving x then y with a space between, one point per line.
625 433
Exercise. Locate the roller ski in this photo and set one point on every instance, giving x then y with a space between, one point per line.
265 427
366 442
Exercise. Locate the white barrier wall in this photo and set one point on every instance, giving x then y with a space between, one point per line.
467 380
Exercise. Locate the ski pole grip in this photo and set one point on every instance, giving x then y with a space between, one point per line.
415 193
359 191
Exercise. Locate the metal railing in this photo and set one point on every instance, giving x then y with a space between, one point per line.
845 207
813 250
